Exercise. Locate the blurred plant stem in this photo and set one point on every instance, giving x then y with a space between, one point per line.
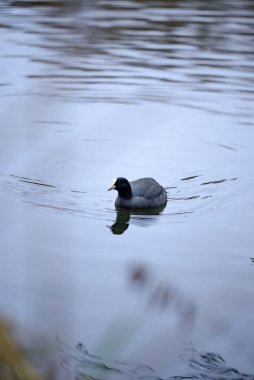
13 365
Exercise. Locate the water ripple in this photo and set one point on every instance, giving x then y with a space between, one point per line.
188 196
131 51
78 362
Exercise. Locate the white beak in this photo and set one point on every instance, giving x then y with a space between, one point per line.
113 186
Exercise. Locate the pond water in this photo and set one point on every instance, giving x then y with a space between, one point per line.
99 89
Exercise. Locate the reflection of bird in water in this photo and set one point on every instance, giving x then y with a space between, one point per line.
142 193
123 217
122 222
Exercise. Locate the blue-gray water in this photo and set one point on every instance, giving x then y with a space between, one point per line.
94 90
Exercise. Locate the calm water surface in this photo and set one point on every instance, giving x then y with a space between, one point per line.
94 90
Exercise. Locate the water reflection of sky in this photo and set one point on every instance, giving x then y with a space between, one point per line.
194 54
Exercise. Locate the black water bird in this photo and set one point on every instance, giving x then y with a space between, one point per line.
142 193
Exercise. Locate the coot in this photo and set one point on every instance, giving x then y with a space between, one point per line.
142 193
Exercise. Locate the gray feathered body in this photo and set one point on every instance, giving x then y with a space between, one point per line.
146 192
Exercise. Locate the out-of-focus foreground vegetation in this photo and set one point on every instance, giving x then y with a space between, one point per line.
13 364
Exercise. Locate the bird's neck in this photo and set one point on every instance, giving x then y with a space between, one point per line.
125 192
